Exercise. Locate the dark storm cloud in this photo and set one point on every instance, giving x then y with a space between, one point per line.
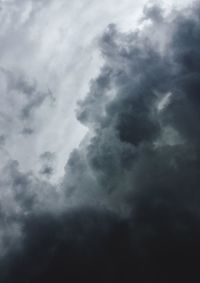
137 173
70 252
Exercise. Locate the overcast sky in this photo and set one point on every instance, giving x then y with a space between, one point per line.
48 55
99 141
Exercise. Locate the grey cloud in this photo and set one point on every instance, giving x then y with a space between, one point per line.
154 13
137 195
21 99
47 171
23 193
48 156
22 196
2 140
47 160
35 102
31 98
138 172
27 131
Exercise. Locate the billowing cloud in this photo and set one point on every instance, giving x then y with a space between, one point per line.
127 208
41 75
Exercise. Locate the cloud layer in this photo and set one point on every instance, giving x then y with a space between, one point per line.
127 208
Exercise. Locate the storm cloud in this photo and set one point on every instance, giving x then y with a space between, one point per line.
127 208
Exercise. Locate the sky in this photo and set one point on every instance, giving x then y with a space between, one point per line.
99 141
48 56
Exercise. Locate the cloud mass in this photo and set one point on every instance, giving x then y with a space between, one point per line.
127 207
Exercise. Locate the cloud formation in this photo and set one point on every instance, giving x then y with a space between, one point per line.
127 208
40 41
